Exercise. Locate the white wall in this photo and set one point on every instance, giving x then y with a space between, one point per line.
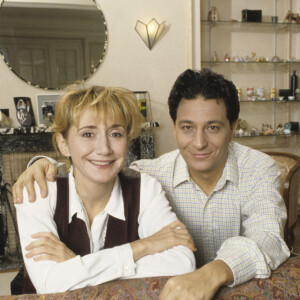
128 62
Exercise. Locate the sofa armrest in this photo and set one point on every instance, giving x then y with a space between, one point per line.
283 284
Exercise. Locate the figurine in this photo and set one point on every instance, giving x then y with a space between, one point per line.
236 58
226 57
267 129
290 16
213 14
214 56
253 56
254 131
275 59
279 129
242 124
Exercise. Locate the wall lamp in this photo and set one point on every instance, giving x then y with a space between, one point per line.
149 32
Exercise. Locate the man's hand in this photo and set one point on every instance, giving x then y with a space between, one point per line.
201 284
168 237
41 170
48 247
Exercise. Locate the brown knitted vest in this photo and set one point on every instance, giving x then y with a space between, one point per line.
74 235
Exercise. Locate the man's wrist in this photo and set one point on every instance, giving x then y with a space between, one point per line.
219 273
34 159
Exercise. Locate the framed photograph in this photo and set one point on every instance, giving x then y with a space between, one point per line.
46 108
24 111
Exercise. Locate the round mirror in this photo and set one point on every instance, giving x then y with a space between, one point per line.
51 43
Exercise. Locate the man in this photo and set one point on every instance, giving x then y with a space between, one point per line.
226 194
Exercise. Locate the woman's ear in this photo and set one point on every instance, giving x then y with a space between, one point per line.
62 145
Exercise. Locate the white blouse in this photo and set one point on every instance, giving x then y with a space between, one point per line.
107 264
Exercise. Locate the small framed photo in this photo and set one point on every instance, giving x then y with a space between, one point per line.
24 111
46 108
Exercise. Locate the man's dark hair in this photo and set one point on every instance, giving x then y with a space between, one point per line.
208 84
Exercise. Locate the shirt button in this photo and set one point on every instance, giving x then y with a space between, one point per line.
126 268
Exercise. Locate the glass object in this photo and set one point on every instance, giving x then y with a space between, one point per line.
142 98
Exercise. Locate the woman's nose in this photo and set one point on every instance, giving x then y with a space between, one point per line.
102 146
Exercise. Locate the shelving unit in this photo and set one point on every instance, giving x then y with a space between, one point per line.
229 36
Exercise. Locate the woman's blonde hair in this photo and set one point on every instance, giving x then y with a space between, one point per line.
106 102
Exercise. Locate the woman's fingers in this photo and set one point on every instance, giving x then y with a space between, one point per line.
47 246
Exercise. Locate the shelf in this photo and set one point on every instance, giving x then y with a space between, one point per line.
250 62
250 48
236 136
270 101
240 24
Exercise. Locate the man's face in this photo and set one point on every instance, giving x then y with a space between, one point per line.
203 134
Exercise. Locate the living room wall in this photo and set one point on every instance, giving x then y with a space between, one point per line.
128 62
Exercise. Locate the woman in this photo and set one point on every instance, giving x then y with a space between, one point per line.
101 223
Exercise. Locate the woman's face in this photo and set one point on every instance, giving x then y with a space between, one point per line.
97 149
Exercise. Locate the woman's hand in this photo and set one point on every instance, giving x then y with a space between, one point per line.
168 237
48 247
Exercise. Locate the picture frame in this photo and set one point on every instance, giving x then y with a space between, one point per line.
24 111
46 108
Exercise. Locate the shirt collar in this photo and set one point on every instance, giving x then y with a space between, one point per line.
231 170
181 172
114 207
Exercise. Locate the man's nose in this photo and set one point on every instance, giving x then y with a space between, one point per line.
200 139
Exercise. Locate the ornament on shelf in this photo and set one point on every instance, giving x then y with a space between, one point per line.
226 57
291 17
213 14
267 129
214 56
253 56
236 58
273 94
275 59
250 93
239 90
279 129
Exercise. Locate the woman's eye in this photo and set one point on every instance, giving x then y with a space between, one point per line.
87 134
116 134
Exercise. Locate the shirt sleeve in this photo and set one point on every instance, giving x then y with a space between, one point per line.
260 248
35 158
78 272
155 213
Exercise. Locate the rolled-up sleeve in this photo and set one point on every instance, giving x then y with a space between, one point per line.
260 248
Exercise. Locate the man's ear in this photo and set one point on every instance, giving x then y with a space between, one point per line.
62 145
174 124
233 127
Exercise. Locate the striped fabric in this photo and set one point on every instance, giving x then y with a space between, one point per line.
241 222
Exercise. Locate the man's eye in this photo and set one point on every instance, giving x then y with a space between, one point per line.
213 128
187 127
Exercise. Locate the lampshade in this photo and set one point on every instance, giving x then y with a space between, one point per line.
149 32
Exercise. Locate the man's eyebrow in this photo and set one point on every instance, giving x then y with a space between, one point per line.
215 121
208 122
